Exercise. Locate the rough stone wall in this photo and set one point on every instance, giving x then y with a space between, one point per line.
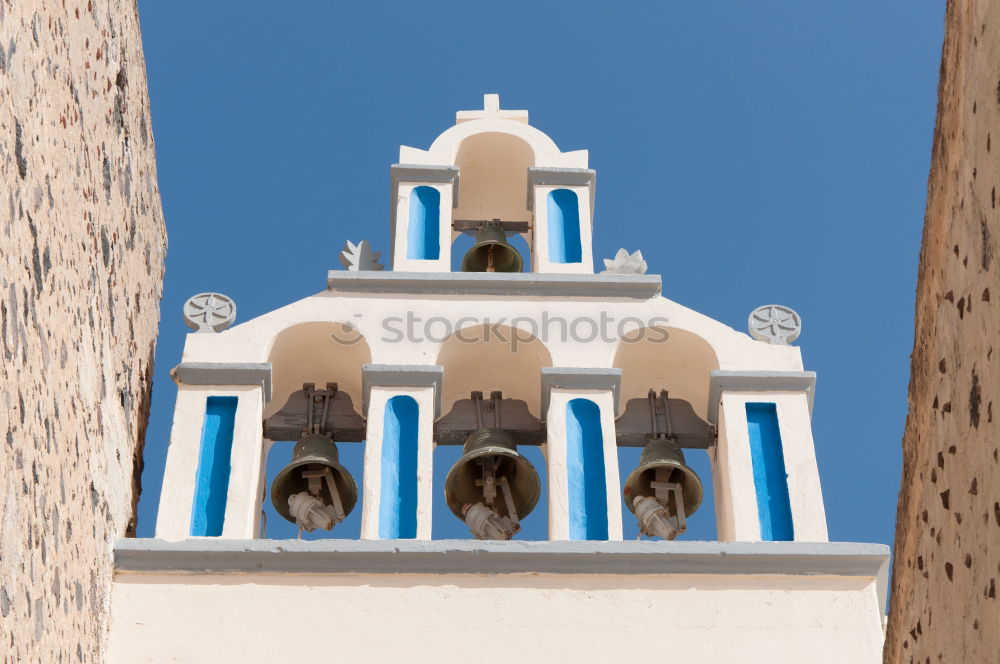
944 605
81 261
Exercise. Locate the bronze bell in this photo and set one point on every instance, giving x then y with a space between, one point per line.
494 446
492 252
664 455
314 454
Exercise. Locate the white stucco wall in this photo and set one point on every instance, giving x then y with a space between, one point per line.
494 618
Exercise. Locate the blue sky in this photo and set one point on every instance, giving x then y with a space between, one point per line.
756 152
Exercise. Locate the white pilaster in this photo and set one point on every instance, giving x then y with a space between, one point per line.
556 458
543 181
382 383
404 180
735 494
242 516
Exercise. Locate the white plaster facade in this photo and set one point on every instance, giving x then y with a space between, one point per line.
422 318
495 618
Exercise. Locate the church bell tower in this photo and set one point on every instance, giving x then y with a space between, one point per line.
569 401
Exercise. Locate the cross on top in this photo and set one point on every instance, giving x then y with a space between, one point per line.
491 109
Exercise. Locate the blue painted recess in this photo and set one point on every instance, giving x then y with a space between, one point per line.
212 481
564 227
588 497
397 518
423 235
769 477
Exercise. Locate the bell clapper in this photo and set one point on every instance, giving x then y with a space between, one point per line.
486 524
308 507
489 261
482 518
662 515
509 500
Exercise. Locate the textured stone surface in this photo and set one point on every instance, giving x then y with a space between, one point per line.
81 261
944 605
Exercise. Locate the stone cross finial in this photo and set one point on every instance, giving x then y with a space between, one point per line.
491 109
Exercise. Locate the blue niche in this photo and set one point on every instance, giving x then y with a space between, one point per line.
769 477
564 227
588 496
423 235
398 497
212 480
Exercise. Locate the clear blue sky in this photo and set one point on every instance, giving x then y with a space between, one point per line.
756 152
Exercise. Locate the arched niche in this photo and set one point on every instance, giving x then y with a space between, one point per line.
424 229
563 213
588 496
492 358
398 483
493 168
317 352
669 359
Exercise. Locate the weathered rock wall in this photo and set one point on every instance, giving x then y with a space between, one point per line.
944 605
81 263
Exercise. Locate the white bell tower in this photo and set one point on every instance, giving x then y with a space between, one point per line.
503 354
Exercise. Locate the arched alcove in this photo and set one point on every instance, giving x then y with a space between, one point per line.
493 169
317 352
492 358
663 358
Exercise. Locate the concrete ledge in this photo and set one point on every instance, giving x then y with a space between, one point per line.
418 173
402 375
224 373
521 284
211 555
562 177
757 381
580 379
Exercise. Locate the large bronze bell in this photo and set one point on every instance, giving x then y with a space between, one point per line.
494 446
492 252
663 455
313 454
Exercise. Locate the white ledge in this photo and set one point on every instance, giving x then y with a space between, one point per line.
633 286
342 556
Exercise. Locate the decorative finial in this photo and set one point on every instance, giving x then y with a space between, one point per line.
625 263
360 257
774 324
491 109
209 312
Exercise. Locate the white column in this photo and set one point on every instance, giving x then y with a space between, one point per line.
556 458
406 178
737 511
242 514
382 383
543 181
